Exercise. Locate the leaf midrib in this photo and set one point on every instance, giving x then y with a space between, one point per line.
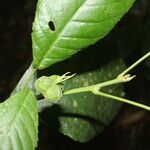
16 116
60 33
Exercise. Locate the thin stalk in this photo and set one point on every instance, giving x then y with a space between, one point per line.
135 64
123 77
90 88
122 100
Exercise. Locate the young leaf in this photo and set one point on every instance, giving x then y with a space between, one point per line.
61 28
19 122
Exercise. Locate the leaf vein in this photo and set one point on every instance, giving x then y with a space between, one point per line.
60 33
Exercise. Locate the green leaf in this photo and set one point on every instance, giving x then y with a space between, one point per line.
85 115
82 116
19 122
61 28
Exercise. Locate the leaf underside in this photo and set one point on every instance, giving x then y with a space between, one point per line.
63 27
83 116
19 122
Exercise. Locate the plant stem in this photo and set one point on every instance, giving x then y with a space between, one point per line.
25 80
95 90
42 104
134 65
122 100
123 77
90 88
100 85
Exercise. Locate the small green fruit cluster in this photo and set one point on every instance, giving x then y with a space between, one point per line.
50 88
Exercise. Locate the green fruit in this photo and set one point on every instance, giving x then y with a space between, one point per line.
43 83
53 93
49 87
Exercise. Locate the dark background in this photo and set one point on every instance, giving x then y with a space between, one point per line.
131 128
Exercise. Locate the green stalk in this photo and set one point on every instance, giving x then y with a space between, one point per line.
123 77
135 64
122 100
92 87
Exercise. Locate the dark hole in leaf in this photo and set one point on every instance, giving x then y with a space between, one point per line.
51 25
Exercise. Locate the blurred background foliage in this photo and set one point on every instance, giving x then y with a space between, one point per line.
131 37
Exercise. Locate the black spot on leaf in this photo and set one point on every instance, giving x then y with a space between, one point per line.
51 25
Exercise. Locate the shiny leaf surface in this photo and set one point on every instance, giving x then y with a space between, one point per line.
61 28
19 122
